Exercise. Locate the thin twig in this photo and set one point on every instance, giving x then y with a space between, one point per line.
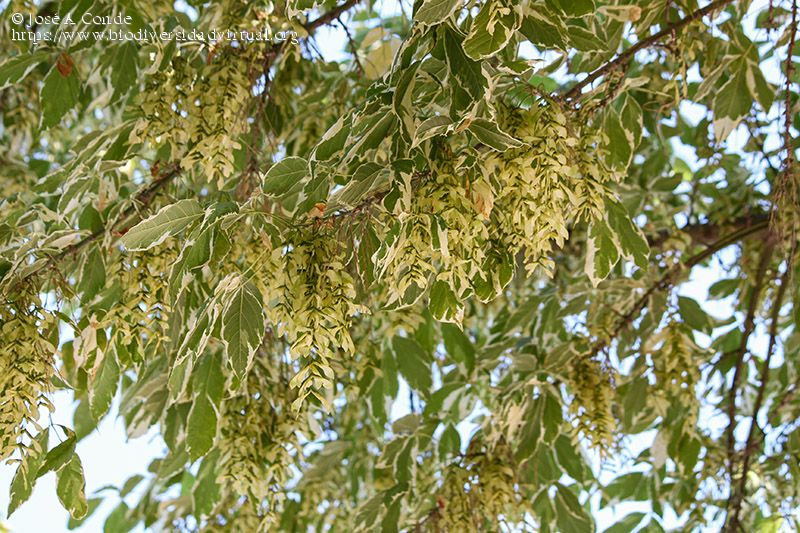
738 495
627 54
140 201
330 16
668 278
749 326
353 47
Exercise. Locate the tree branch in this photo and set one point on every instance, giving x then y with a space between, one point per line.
668 279
140 200
749 326
627 54
738 495
330 16
709 232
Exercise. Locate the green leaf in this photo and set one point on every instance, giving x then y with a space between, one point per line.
59 94
570 515
583 39
633 244
491 30
458 345
367 179
621 141
130 484
60 455
120 520
413 363
243 327
284 175
104 384
124 68
437 125
436 11
94 503
444 304
27 472
70 488
466 71
15 69
490 134
449 442
601 252
693 314
626 524
206 492
93 275
731 104
544 31
208 383
168 221
574 8
668 183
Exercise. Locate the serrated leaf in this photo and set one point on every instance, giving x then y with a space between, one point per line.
491 30
490 134
58 95
168 221
104 384
208 382
284 175
436 11
601 252
70 488
413 363
242 327
27 472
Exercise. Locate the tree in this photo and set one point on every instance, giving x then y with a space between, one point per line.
483 213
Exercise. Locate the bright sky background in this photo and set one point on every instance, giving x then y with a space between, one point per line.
109 458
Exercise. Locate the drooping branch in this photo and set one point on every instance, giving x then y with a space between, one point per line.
144 197
642 44
668 279
739 493
128 217
786 186
749 327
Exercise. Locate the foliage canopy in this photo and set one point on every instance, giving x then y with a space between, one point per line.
483 215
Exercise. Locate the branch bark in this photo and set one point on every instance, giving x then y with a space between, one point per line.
647 42
143 198
668 278
330 16
739 493
126 219
749 326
